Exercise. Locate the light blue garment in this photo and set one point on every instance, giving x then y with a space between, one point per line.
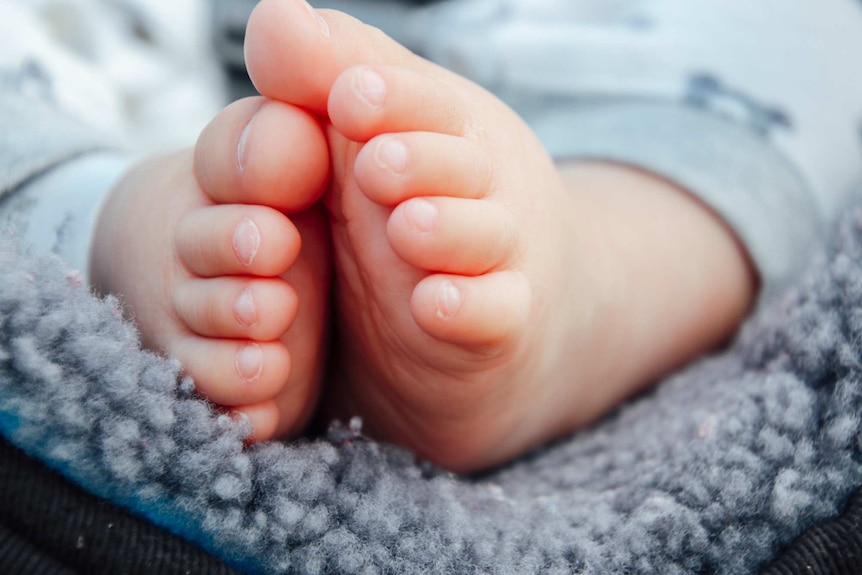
57 211
52 175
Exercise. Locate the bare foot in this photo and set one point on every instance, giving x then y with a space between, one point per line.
199 248
482 305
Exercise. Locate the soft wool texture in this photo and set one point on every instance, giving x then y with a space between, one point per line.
712 472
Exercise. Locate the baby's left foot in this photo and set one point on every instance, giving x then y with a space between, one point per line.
199 248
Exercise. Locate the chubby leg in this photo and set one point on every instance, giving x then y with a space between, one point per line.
487 300
221 258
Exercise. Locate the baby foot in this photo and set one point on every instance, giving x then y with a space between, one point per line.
477 299
451 231
199 249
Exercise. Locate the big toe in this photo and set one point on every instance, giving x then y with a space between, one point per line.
294 53
259 151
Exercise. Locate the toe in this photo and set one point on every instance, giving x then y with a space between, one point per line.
286 415
231 307
263 418
260 151
394 167
236 239
294 54
452 235
233 372
366 101
484 310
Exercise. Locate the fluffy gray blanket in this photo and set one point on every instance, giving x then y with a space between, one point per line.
712 472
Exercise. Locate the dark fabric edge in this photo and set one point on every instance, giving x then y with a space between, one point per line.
829 548
67 530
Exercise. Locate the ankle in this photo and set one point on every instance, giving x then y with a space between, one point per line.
669 279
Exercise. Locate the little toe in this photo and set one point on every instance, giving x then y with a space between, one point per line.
484 310
263 418
260 151
285 415
394 167
230 307
366 101
452 235
237 239
233 372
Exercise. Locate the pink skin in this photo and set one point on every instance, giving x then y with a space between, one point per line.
487 300
220 256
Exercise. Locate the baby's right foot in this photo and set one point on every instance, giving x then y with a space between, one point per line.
486 304
199 249
453 244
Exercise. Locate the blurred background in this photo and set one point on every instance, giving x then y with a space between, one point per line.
128 67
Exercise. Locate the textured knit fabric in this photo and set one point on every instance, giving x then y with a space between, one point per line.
50 526
715 471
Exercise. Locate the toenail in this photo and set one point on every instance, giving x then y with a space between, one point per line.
240 148
370 87
324 27
392 154
244 310
246 241
448 300
249 362
422 214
